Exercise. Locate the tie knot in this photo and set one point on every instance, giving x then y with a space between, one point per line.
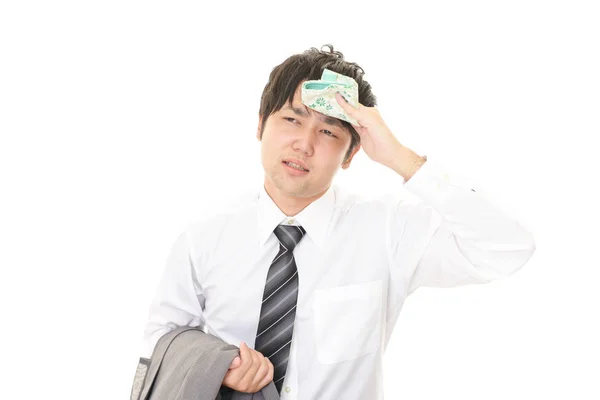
289 235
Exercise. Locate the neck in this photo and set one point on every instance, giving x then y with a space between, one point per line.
289 205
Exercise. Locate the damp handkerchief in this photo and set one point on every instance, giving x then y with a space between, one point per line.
320 94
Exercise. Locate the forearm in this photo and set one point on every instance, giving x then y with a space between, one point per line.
406 162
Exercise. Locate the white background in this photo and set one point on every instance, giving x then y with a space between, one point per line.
123 121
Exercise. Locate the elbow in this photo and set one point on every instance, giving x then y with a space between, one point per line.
500 261
519 256
528 252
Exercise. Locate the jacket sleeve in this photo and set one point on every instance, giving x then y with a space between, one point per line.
453 236
178 301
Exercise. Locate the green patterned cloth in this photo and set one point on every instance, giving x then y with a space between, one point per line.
320 94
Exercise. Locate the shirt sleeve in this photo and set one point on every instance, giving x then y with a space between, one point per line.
453 236
178 300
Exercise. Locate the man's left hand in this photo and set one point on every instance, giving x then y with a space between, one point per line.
376 139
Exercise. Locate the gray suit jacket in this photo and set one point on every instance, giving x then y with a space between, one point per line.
188 364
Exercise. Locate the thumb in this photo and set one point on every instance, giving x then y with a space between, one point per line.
235 363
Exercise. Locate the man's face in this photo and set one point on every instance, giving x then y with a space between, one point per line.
304 136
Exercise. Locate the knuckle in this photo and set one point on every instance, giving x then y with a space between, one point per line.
245 387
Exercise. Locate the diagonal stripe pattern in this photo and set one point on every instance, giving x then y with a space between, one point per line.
278 309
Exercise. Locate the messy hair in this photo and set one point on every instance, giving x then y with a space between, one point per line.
309 65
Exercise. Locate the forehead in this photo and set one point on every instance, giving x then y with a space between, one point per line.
298 108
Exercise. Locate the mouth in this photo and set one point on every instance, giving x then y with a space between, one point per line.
292 166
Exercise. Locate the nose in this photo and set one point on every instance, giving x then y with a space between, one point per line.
304 142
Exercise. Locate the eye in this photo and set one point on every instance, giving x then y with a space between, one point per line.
290 119
329 133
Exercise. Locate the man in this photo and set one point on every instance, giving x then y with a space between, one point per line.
310 280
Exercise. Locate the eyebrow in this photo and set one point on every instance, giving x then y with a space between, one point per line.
328 120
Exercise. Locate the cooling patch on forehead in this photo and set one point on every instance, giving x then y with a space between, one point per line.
319 95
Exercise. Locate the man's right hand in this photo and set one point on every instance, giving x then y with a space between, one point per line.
250 373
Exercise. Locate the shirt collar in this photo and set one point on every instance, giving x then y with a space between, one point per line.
314 218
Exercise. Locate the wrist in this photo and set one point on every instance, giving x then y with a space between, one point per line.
406 162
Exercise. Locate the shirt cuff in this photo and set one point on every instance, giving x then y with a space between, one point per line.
435 185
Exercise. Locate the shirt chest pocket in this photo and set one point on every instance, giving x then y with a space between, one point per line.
347 321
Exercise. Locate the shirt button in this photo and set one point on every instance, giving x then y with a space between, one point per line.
290 221
287 389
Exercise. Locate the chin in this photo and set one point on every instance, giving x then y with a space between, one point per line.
295 189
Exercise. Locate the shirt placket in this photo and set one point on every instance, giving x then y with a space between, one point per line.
289 390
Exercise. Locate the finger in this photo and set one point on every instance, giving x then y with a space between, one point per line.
246 358
260 374
237 361
238 368
257 359
244 351
253 365
269 377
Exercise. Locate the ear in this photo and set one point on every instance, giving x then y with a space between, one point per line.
258 128
346 164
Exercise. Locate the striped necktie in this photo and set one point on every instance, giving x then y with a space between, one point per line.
278 309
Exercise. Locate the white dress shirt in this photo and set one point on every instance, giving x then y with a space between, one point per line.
357 263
